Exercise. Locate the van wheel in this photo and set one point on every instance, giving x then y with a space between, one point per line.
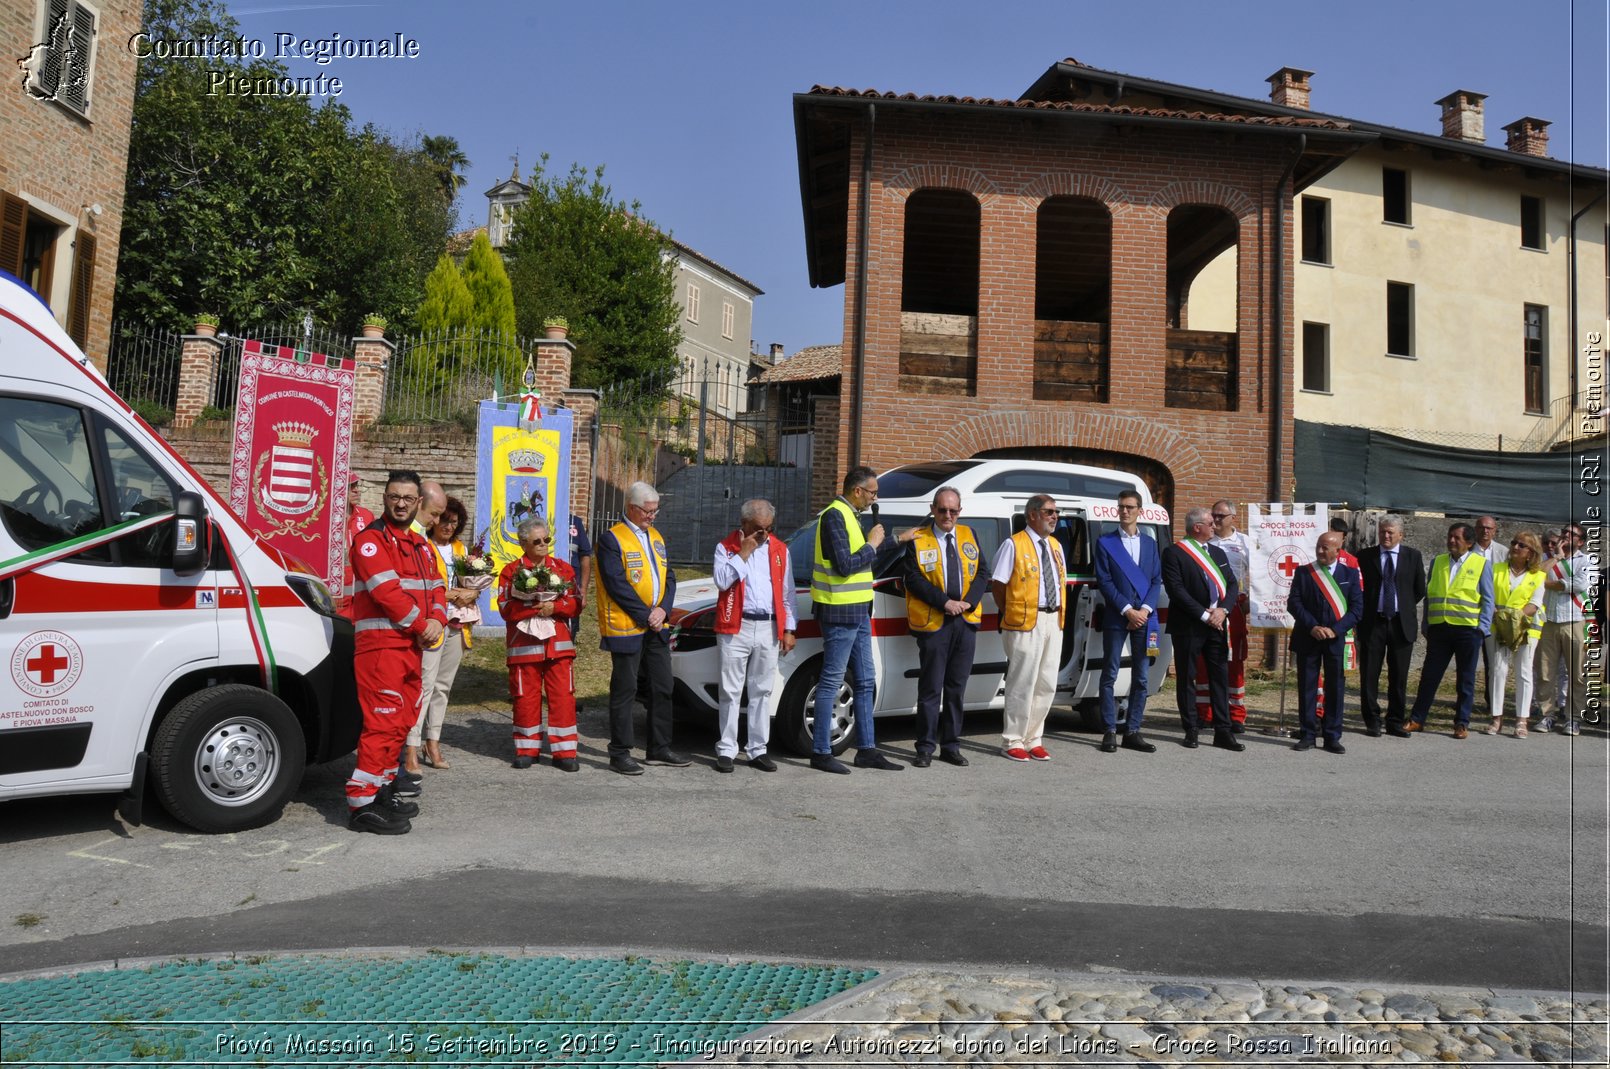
227 758
1089 712
796 713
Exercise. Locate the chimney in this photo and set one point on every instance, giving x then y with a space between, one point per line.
776 351
1288 87
1528 136
1461 116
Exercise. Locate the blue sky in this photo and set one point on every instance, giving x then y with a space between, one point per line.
689 106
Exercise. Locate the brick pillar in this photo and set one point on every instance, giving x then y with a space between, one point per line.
583 404
553 357
373 356
827 468
198 377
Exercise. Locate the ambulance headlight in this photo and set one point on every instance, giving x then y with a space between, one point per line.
314 594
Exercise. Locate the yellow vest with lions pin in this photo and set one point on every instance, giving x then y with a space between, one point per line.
930 560
613 622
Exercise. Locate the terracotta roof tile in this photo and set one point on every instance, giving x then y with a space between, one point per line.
1092 109
807 365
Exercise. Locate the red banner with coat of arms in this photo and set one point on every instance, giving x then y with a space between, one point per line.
292 452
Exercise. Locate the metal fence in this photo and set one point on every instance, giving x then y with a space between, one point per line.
306 335
440 377
142 364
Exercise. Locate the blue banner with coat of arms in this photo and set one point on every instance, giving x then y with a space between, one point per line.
522 469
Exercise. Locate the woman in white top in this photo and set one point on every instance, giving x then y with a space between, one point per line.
1517 590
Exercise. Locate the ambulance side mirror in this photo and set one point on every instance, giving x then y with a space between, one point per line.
190 548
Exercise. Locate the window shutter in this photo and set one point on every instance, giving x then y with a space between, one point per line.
13 225
83 278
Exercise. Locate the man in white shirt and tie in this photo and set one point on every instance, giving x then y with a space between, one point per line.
1029 580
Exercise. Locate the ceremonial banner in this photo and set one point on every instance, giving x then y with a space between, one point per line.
292 452
1282 542
522 469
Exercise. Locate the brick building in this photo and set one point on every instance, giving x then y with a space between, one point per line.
1018 275
65 153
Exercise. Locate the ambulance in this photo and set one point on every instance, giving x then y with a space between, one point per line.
994 493
147 638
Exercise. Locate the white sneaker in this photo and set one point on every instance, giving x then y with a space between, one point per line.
1572 728
1546 725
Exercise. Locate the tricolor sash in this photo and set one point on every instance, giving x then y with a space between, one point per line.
1562 576
1210 568
1332 593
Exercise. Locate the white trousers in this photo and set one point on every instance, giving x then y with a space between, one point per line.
1499 663
747 658
1031 680
438 669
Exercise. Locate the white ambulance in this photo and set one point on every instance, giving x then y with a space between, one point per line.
146 636
994 493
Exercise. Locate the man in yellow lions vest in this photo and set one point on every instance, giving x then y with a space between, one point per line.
636 589
1029 581
944 602
1458 618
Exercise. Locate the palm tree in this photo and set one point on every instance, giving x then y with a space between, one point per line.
443 152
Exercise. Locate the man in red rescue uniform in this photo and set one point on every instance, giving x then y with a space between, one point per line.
541 653
398 609
358 518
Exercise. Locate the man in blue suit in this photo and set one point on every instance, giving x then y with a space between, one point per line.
1130 577
1325 604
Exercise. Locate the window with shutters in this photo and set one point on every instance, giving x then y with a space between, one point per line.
1534 357
726 319
693 303
61 66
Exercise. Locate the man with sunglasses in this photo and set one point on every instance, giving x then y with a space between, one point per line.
1029 581
1569 581
754 625
944 603
1237 548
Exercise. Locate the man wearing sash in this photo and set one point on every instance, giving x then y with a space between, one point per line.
1325 603
944 603
1201 591
1130 576
1237 549
1458 619
1568 582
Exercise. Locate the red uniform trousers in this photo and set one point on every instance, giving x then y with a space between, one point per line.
529 682
388 692
1236 669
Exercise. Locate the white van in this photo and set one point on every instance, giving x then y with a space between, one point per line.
994 493
145 634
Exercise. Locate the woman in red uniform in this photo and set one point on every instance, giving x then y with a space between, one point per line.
535 595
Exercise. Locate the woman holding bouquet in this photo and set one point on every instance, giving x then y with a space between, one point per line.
536 594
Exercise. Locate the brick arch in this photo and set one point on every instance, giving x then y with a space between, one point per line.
1084 428
1110 194
940 176
1199 191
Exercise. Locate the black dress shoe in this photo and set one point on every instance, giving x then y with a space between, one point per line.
521 762
1335 746
625 764
875 759
669 757
1237 727
1109 742
1133 741
953 757
565 764
369 818
1303 744
1398 732
1190 740
922 760
723 763
1225 740
826 762
763 763
1373 731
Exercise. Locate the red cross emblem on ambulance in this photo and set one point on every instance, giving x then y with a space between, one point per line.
47 663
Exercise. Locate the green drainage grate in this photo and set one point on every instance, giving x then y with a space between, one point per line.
441 1009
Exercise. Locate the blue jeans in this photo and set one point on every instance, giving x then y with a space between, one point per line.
845 645
1112 645
1444 643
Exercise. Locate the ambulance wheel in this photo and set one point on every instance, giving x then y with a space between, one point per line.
1089 713
227 758
796 713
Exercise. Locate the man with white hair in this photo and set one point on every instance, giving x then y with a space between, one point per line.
1201 592
754 624
636 589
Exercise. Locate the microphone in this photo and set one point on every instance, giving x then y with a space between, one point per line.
874 513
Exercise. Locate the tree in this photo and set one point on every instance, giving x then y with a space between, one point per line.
578 253
261 206
448 160
493 314
447 311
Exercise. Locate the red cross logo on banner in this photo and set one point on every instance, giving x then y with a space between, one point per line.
47 663
1288 565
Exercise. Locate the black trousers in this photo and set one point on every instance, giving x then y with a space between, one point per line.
945 660
1309 665
1378 643
1214 648
649 664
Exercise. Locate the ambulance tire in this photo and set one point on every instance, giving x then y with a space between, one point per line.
1089 714
793 728
227 758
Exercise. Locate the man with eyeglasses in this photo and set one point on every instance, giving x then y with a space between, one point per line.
754 626
1029 581
841 595
944 604
1569 581
399 608
1130 577
636 590
1201 591
1495 552
1237 548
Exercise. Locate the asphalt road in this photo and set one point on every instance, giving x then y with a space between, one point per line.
1423 861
